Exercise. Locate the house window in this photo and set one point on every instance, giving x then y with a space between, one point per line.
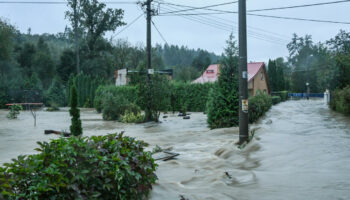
210 71
261 76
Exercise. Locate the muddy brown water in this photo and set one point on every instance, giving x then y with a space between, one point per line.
301 151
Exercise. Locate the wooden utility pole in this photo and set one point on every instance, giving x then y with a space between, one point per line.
243 73
149 39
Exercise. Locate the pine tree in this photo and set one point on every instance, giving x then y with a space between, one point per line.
74 111
223 104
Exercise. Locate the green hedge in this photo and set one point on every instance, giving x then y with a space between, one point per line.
97 167
258 106
282 94
191 97
276 100
340 100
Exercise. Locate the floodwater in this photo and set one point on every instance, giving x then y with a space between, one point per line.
301 151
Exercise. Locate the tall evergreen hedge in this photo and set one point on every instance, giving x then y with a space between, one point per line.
74 112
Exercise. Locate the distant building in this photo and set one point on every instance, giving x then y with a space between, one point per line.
257 77
122 76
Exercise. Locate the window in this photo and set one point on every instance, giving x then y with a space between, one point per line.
210 71
261 75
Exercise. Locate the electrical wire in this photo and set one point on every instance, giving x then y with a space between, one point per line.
299 6
199 8
161 35
230 28
60 2
131 23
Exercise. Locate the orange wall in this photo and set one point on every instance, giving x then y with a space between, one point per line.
260 84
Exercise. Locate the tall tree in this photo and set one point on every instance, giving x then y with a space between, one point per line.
97 20
223 105
74 15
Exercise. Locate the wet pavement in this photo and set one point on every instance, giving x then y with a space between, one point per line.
301 151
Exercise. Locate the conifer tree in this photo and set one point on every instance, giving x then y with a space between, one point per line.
223 104
74 111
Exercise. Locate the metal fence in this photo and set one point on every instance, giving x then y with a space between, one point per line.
304 95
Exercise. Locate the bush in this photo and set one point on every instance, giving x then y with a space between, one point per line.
56 93
340 100
116 106
282 94
131 117
14 111
275 100
258 106
99 167
127 92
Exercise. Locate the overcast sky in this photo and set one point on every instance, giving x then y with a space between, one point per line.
181 31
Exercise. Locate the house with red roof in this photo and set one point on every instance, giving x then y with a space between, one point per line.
257 77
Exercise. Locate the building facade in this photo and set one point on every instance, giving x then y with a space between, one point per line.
257 77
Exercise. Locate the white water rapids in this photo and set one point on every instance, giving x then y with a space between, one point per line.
301 151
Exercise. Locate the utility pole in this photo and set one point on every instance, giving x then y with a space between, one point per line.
243 74
149 44
149 13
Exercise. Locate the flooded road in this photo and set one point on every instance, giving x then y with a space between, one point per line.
301 151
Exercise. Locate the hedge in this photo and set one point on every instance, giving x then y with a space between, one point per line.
258 106
97 167
191 97
340 100
276 100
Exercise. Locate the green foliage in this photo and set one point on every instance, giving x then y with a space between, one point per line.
86 88
74 112
340 100
153 95
132 117
258 106
192 97
276 75
56 93
115 106
282 94
276 100
14 111
102 92
223 104
98 167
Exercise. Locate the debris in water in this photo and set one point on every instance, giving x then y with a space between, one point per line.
228 175
187 117
165 116
182 197
165 155
269 121
63 133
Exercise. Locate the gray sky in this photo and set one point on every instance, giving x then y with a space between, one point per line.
181 31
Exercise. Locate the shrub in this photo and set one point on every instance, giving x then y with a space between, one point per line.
131 117
99 167
127 92
114 107
14 111
275 100
340 100
258 106
153 96
53 107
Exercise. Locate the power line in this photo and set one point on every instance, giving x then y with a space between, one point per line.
199 8
229 28
60 2
259 15
299 6
131 23
161 35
